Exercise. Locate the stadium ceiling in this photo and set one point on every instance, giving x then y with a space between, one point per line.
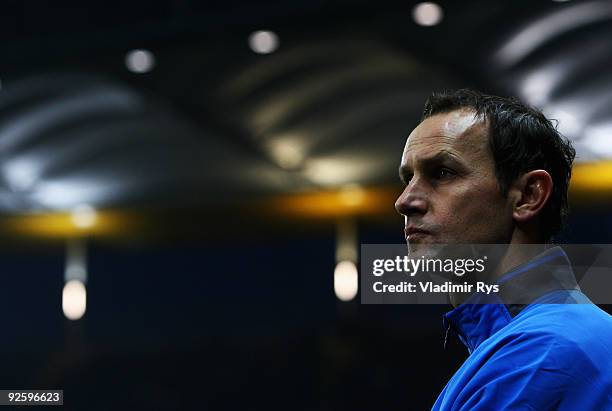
214 123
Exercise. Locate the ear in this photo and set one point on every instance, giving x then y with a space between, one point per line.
529 194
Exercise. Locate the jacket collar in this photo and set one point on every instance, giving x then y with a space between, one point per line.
481 315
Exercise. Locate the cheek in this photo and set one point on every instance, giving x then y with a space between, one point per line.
474 207
490 214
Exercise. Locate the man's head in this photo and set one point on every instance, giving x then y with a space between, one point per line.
483 169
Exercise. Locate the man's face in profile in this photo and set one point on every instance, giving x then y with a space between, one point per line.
451 194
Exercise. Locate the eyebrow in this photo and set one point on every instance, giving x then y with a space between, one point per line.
440 157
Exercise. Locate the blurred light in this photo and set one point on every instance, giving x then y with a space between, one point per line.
346 281
21 175
329 171
59 195
561 1
333 171
568 124
263 42
333 204
427 14
61 225
76 261
74 299
598 139
84 216
342 169
140 61
537 87
352 195
34 120
288 153
592 177
541 31
67 193
346 240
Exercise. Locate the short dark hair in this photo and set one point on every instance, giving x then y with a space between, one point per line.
521 139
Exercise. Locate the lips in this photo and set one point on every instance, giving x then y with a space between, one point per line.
412 231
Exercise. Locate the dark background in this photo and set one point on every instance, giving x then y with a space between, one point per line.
212 292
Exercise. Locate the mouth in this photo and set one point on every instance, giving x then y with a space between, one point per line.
413 233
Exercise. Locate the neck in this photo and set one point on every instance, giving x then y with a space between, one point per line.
520 250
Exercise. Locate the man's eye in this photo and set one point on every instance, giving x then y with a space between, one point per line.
444 172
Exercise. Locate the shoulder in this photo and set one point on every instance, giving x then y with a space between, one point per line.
550 356
567 339
577 326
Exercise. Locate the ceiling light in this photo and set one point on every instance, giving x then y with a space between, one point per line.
346 281
84 216
74 299
263 41
140 61
427 14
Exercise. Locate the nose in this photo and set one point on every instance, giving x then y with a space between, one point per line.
411 202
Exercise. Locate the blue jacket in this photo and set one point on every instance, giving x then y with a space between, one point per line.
542 346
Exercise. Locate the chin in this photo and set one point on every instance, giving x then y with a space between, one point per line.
428 249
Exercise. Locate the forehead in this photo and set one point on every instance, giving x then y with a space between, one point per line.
461 133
